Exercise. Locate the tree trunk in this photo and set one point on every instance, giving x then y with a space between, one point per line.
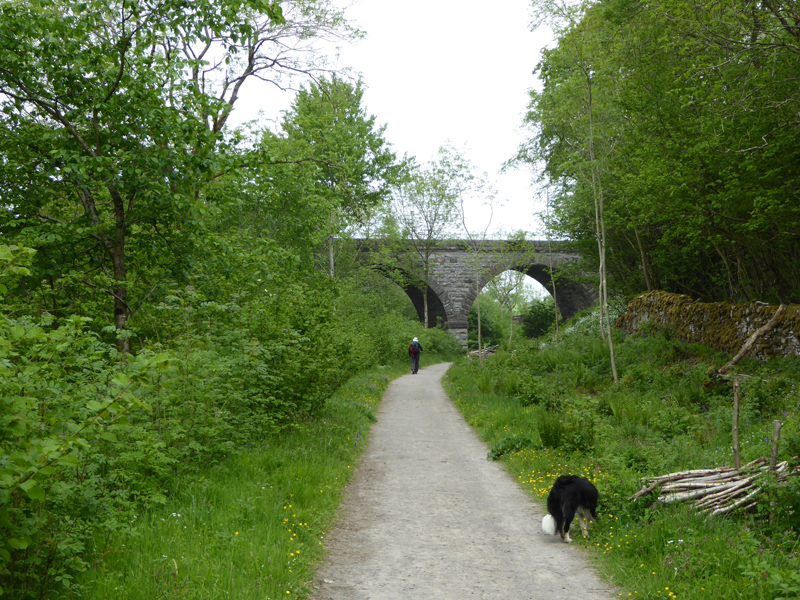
550 254
600 227
330 257
648 281
120 290
425 303
478 299
612 352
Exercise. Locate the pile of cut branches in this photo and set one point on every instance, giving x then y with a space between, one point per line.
717 491
485 351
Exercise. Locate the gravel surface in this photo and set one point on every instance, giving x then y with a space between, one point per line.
428 517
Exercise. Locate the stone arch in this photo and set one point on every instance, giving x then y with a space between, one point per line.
452 288
437 295
570 296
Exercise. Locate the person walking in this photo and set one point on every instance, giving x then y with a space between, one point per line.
414 351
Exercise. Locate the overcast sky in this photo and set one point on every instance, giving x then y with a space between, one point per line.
439 70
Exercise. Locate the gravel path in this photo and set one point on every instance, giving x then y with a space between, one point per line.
428 517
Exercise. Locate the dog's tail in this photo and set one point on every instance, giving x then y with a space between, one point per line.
549 525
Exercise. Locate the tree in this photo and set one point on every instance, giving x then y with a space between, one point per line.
114 116
466 184
326 171
538 317
694 150
341 153
507 289
580 69
424 208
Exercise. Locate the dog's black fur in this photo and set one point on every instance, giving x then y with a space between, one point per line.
570 495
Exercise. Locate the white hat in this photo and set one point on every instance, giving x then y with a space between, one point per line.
415 340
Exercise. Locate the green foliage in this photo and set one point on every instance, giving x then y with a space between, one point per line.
658 419
71 415
671 421
632 97
492 330
265 509
551 429
113 129
770 396
538 318
513 443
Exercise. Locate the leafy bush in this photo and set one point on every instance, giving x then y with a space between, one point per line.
769 395
491 330
538 318
551 430
72 414
513 443
508 382
671 421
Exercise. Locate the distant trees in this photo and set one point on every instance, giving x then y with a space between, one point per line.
693 138
507 288
538 317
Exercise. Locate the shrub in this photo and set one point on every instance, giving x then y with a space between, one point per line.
508 383
769 395
551 429
533 391
513 443
671 421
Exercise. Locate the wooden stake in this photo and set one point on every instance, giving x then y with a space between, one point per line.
737 463
776 437
773 461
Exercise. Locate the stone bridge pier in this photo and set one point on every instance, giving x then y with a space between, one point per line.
457 274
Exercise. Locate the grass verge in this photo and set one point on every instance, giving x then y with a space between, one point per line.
552 410
253 527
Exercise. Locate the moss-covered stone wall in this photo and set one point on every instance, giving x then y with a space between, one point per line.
719 325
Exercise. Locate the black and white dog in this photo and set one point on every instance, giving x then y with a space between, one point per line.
570 495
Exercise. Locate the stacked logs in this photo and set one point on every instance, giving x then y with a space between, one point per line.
718 491
485 351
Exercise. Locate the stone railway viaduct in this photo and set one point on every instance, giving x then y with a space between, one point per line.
454 268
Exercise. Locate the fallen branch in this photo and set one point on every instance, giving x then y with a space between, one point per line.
753 339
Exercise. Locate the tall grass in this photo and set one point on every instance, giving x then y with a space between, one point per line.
568 417
254 526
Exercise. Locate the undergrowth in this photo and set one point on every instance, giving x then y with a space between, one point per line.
251 527
565 416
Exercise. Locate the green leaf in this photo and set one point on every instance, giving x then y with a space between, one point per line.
19 544
121 380
68 460
33 489
94 405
